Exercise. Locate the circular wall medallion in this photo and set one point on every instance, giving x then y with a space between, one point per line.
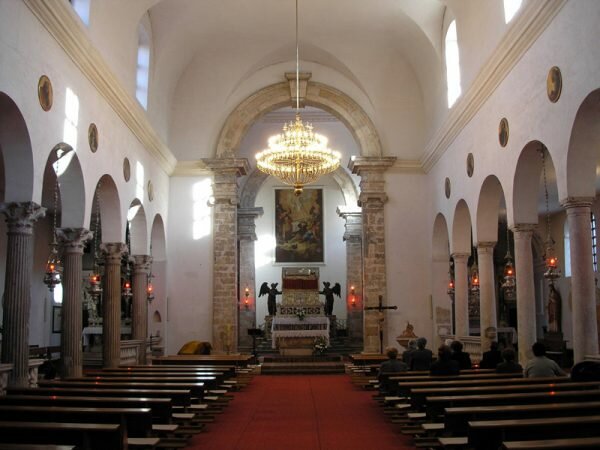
447 188
503 132
470 165
45 95
93 137
150 190
126 169
554 84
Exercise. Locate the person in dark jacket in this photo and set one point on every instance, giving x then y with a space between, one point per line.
463 358
445 365
509 365
491 358
407 354
391 366
421 358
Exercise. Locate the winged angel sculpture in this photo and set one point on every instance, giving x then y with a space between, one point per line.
272 294
328 293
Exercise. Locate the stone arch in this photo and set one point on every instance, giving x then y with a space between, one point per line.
461 229
16 151
138 228
278 95
110 209
441 242
583 155
157 239
488 208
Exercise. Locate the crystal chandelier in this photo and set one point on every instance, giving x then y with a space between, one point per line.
53 274
552 270
298 156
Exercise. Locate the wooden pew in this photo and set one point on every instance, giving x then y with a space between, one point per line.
35 447
196 389
489 434
237 360
553 444
229 370
87 436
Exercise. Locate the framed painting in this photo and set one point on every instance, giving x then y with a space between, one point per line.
299 226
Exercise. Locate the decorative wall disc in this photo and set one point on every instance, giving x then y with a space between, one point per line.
470 165
126 169
554 84
503 132
447 187
45 94
150 190
93 137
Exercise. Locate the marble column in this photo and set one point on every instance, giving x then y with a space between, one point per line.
526 333
487 294
20 218
72 241
372 199
226 171
461 294
354 265
111 303
139 302
247 307
583 287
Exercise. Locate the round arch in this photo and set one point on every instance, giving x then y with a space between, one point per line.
278 95
110 209
441 242
461 229
138 228
157 239
488 208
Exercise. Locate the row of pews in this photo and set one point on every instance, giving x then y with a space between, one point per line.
483 410
136 407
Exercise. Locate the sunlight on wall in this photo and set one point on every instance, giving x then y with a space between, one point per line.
62 163
510 9
143 67
139 181
71 119
202 212
264 250
132 212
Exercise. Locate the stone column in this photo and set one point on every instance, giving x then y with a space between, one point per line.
20 218
354 266
72 241
247 236
525 289
487 293
111 303
225 264
583 287
461 294
372 199
139 305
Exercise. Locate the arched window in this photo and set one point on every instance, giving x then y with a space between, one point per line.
452 65
143 66
510 9
567 242
594 246
82 8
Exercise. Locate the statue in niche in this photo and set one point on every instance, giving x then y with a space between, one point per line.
328 293
272 294
554 310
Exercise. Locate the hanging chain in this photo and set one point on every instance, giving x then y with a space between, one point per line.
97 225
56 188
297 64
543 153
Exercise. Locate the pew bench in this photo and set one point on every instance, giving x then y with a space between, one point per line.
553 444
35 447
196 389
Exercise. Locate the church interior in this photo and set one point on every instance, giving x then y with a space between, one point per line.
259 195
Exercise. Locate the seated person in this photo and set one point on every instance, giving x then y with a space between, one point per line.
491 358
463 358
444 365
540 365
421 357
509 365
391 366
407 354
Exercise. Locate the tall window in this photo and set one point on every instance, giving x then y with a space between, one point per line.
82 8
510 9
452 65
594 247
143 66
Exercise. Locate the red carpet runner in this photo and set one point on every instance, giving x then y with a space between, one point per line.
301 412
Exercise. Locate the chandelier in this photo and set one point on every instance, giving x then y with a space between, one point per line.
53 273
552 270
298 156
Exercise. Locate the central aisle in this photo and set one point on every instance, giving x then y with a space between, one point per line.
301 412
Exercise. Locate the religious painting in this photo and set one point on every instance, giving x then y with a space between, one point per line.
554 84
56 318
470 165
503 132
447 187
299 226
45 95
93 137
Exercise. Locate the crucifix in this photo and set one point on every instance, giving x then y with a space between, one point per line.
381 310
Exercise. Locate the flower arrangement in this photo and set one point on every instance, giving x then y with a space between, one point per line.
300 314
320 345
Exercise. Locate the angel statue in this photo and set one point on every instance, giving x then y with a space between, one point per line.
272 293
328 293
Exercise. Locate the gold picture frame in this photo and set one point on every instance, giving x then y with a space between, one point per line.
93 137
554 84
503 132
45 93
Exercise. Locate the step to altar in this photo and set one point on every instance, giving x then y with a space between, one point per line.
322 364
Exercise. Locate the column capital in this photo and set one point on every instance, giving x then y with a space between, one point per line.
486 247
577 202
113 251
460 257
360 165
20 216
353 226
226 171
246 225
141 263
73 240
523 228
228 166
372 183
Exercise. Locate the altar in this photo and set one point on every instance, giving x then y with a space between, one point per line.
293 336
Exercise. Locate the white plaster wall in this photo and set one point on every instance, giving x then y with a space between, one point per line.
334 267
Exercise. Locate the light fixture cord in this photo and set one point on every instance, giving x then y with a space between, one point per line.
297 64
96 227
56 188
543 152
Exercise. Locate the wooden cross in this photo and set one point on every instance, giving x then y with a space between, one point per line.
381 309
